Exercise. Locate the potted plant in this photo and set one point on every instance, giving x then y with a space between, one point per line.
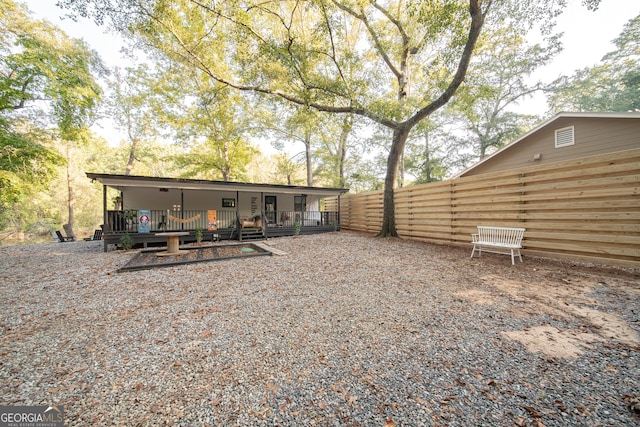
117 202
198 233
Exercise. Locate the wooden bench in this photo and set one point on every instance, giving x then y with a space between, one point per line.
499 240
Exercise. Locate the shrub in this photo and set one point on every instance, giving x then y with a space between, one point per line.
126 242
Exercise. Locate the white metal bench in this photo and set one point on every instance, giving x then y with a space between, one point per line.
499 240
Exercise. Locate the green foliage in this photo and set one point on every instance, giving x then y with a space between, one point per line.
25 165
296 227
496 82
40 62
126 242
611 85
46 80
394 63
212 125
198 234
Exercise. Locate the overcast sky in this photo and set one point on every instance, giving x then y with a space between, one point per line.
587 38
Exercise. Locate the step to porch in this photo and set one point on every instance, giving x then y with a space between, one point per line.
251 235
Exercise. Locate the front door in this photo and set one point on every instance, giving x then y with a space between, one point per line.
270 208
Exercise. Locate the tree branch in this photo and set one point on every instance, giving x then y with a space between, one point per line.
477 21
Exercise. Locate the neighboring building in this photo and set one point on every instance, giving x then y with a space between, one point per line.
565 136
144 206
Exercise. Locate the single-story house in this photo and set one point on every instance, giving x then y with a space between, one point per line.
565 136
144 206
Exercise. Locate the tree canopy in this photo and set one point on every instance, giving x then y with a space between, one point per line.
384 65
611 85
46 78
334 56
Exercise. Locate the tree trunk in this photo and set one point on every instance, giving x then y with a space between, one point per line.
400 135
225 164
307 149
401 179
71 199
132 156
427 156
347 126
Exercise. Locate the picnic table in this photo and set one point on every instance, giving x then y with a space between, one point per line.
173 242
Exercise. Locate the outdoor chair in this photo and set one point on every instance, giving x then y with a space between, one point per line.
162 225
58 235
97 235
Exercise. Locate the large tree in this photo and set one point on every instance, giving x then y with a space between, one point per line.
213 123
368 58
46 77
497 82
611 85
133 106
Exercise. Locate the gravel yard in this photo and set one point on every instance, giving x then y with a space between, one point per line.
343 330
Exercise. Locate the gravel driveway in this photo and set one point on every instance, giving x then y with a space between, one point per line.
343 330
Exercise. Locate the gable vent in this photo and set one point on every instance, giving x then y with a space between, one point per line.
564 137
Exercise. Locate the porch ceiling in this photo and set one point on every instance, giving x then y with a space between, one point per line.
124 181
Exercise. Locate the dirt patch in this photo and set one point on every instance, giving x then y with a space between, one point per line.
569 298
478 297
553 341
607 325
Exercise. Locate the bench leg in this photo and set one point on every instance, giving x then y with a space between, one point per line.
513 262
474 249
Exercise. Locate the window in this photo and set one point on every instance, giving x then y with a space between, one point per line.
299 203
228 203
564 137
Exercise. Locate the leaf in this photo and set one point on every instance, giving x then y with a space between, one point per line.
448 399
532 411
352 400
217 401
389 423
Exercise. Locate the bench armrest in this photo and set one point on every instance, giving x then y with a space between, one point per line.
475 238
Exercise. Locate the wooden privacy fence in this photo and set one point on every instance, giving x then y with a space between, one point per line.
583 210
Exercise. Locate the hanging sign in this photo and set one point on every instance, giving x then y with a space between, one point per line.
212 223
144 221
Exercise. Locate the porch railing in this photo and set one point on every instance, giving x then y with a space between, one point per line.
305 218
126 221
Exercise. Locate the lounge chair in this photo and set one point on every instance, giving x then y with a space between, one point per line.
59 237
97 235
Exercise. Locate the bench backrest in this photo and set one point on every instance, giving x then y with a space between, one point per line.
506 235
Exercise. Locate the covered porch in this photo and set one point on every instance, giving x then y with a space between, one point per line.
142 207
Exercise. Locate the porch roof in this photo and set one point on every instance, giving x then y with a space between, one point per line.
123 181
